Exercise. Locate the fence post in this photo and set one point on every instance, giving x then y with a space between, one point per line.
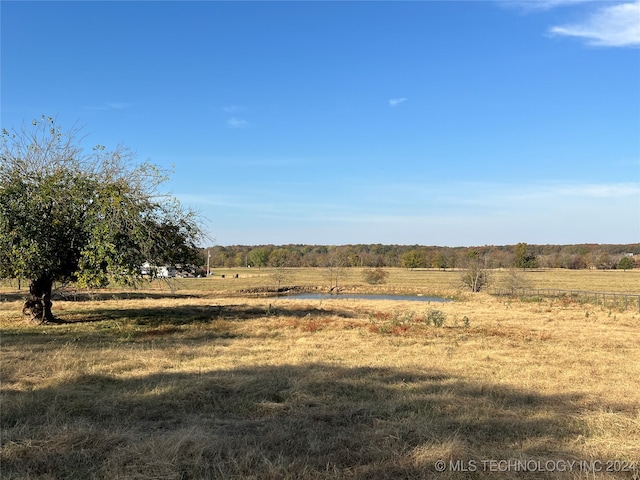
625 303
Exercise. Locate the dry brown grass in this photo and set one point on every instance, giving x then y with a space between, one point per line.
402 280
205 385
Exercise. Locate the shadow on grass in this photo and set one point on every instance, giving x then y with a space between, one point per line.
157 323
72 295
314 421
188 314
101 295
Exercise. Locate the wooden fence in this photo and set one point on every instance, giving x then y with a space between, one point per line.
612 299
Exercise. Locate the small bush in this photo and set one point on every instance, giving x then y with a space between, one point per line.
437 318
395 323
401 318
375 276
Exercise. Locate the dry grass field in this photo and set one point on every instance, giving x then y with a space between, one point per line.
215 381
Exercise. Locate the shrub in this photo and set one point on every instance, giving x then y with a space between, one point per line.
437 318
375 276
516 280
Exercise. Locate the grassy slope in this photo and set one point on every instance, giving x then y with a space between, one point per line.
205 385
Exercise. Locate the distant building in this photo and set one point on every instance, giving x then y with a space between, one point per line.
167 272
164 271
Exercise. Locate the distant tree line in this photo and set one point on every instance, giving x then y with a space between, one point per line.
521 255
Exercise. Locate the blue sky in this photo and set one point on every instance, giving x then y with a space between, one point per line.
424 122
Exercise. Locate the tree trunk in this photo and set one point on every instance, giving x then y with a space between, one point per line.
38 305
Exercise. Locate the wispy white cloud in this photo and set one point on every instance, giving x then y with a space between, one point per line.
394 102
529 5
612 26
222 200
604 190
118 105
407 199
235 122
557 3
477 213
234 109
109 106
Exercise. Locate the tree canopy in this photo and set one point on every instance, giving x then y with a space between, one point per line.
524 256
601 256
90 217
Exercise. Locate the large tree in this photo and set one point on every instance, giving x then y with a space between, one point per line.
89 217
524 256
412 259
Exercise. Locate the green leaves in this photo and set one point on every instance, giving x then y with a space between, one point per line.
91 217
524 257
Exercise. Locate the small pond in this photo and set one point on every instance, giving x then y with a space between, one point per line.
356 296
